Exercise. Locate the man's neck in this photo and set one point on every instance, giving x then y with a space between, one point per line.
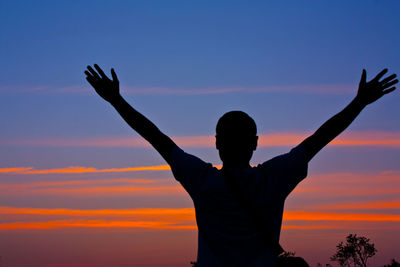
235 165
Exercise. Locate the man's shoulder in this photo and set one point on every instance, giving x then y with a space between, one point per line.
295 155
179 158
189 170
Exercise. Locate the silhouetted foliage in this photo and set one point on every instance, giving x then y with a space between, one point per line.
288 259
287 254
393 263
355 251
193 263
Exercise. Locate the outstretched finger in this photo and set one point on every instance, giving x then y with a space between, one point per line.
363 77
388 79
95 75
380 74
387 91
90 80
114 75
100 71
390 84
88 74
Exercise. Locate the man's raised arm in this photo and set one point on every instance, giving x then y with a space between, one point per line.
109 91
368 92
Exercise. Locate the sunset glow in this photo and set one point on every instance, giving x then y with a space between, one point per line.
350 138
80 188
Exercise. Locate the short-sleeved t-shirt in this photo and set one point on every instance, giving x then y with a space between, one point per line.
227 234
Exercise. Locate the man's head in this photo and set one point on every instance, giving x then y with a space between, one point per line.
236 138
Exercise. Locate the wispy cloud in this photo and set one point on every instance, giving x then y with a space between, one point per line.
379 205
157 90
95 187
117 218
338 216
318 89
325 214
171 219
92 191
336 187
155 225
348 139
178 214
324 186
79 169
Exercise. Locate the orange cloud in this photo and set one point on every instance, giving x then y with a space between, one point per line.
337 216
159 218
78 169
331 185
177 214
113 191
91 189
359 206
350 138
77 183
340 225
15 170
95 187
155 218
334 185
160 225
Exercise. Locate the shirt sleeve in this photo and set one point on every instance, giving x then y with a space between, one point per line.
286 171
189 170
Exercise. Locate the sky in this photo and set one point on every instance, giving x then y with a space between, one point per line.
80 188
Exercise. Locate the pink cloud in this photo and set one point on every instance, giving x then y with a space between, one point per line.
349 138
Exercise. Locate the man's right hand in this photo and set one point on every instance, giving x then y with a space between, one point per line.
106 88
109 90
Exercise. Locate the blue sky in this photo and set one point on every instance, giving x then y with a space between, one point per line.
194 47
290 64
197 45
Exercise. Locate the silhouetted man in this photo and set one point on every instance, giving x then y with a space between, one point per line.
239 208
